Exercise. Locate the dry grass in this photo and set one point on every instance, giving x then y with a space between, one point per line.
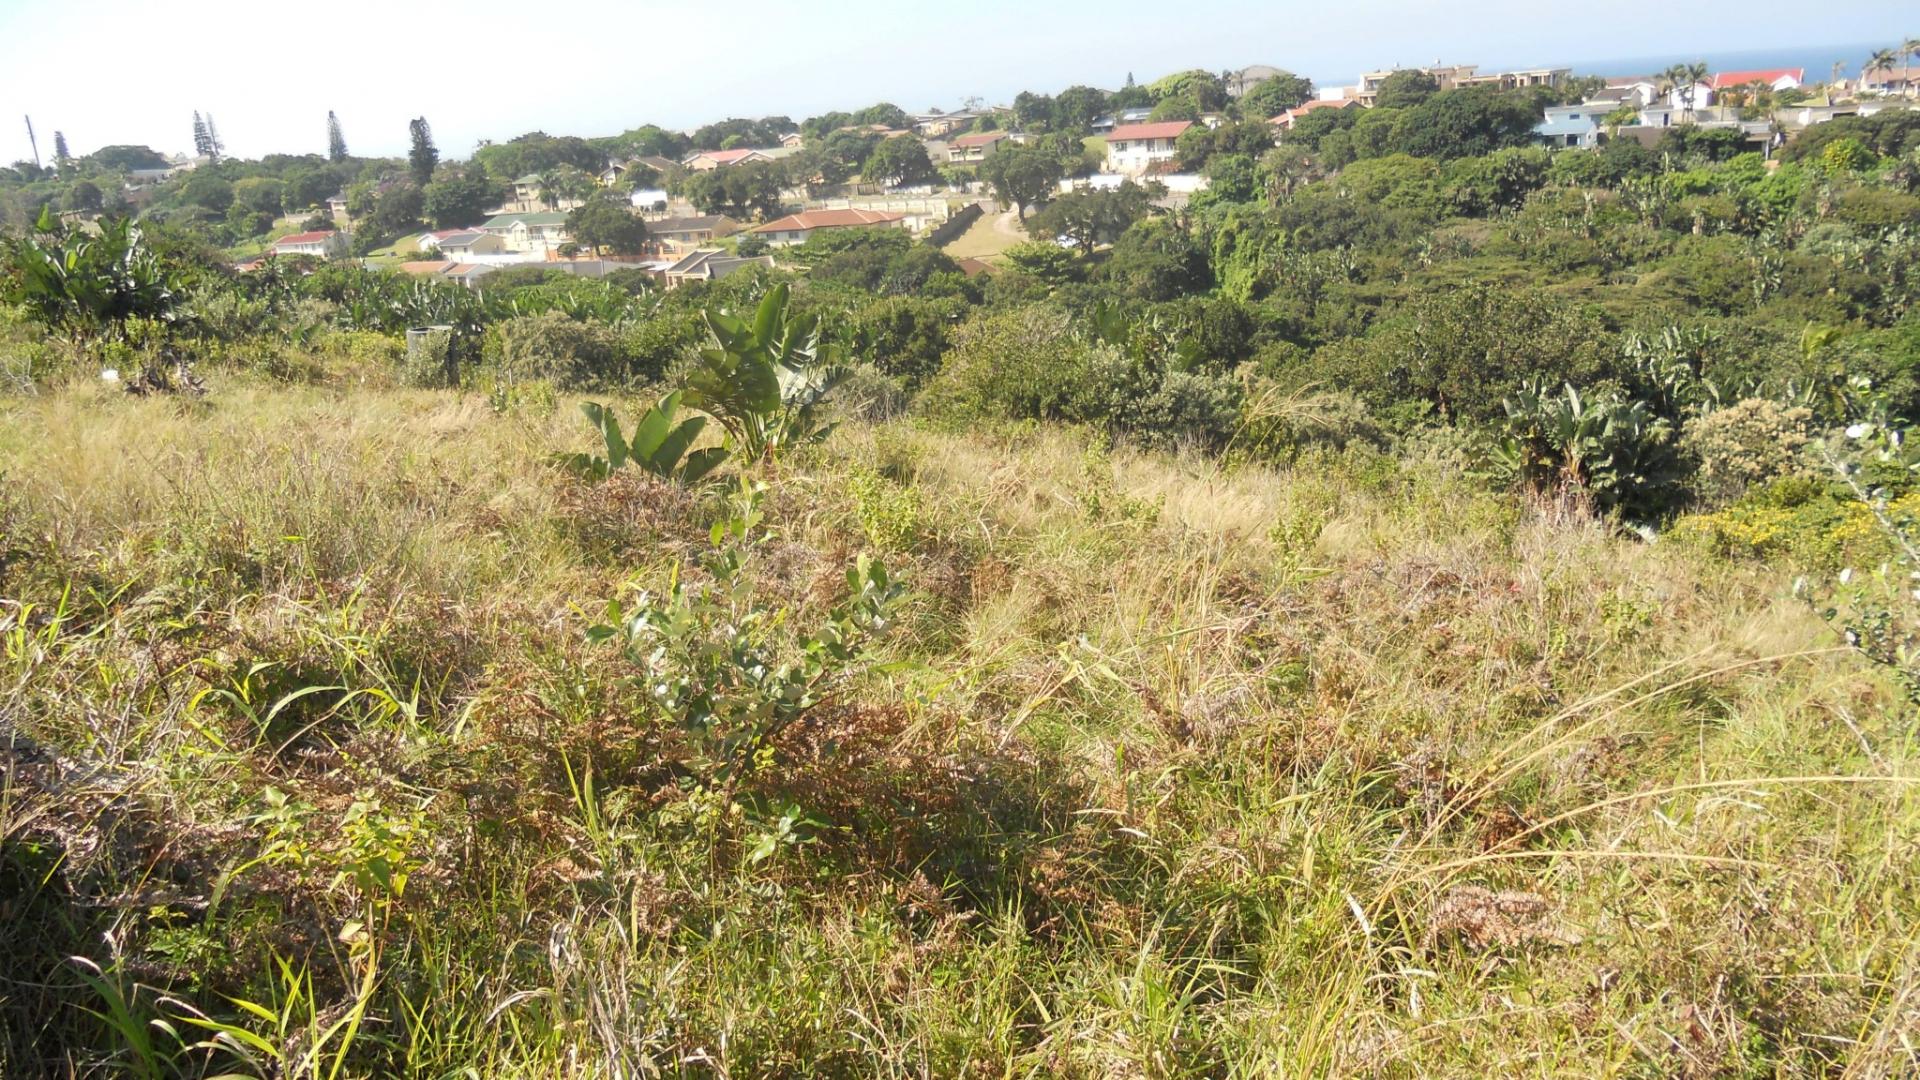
1348 769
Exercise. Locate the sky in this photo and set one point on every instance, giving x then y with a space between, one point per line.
120 71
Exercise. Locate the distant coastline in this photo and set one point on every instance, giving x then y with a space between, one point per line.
1818 60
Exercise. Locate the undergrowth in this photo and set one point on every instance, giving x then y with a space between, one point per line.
312 765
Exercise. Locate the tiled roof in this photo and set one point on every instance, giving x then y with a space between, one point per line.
829 219
1726 79
985 138
304 238
1166 129
724 157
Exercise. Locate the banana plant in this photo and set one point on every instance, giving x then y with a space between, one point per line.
658 445
764 381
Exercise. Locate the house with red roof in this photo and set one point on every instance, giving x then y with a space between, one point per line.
1134 149
1773 78
709 160
326 244
1286 120
796 228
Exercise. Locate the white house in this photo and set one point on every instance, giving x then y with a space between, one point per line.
536 236
326 244
1573 125
1132 149
474 246
1775 79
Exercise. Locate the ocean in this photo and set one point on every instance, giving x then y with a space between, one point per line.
1818 60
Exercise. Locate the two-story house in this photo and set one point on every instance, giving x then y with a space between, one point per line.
1573 125
1132 149
533 236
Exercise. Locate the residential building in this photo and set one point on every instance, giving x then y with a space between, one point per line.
426 267
935 125
793 140
1239 82
796 228
1518 80
526 197
337 209
649 200
328 244
1573 125
536 236
1901 80
973 149
1636 90
1105 124
708 160
678 235
1133 149
1773 78
1448 76
430 241
473 246
468 274
710 264
1286 120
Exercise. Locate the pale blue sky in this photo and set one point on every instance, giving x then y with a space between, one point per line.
121 71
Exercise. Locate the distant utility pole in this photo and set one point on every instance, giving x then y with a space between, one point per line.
35 143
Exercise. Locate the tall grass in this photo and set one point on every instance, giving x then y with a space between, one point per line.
1174 770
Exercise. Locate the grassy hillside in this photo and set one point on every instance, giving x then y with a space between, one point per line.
1161 769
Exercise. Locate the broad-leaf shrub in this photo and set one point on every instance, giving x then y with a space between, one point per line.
1610 449
658 446
765 381
732 673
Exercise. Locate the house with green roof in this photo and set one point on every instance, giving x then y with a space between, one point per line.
536 236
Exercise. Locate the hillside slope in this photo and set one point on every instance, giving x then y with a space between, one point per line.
1159 770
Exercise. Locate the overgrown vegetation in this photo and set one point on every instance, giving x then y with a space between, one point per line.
1424 608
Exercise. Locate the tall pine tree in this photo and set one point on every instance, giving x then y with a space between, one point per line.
214 146
60 156
202 146
336 142
423 156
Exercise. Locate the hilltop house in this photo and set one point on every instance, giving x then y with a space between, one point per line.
328 244
796 228
337 209
1133 149
535 236
708 160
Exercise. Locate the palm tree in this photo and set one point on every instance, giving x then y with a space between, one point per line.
1882 60
550 189
1839 70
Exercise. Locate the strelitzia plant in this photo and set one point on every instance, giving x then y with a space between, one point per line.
658 446
764 381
